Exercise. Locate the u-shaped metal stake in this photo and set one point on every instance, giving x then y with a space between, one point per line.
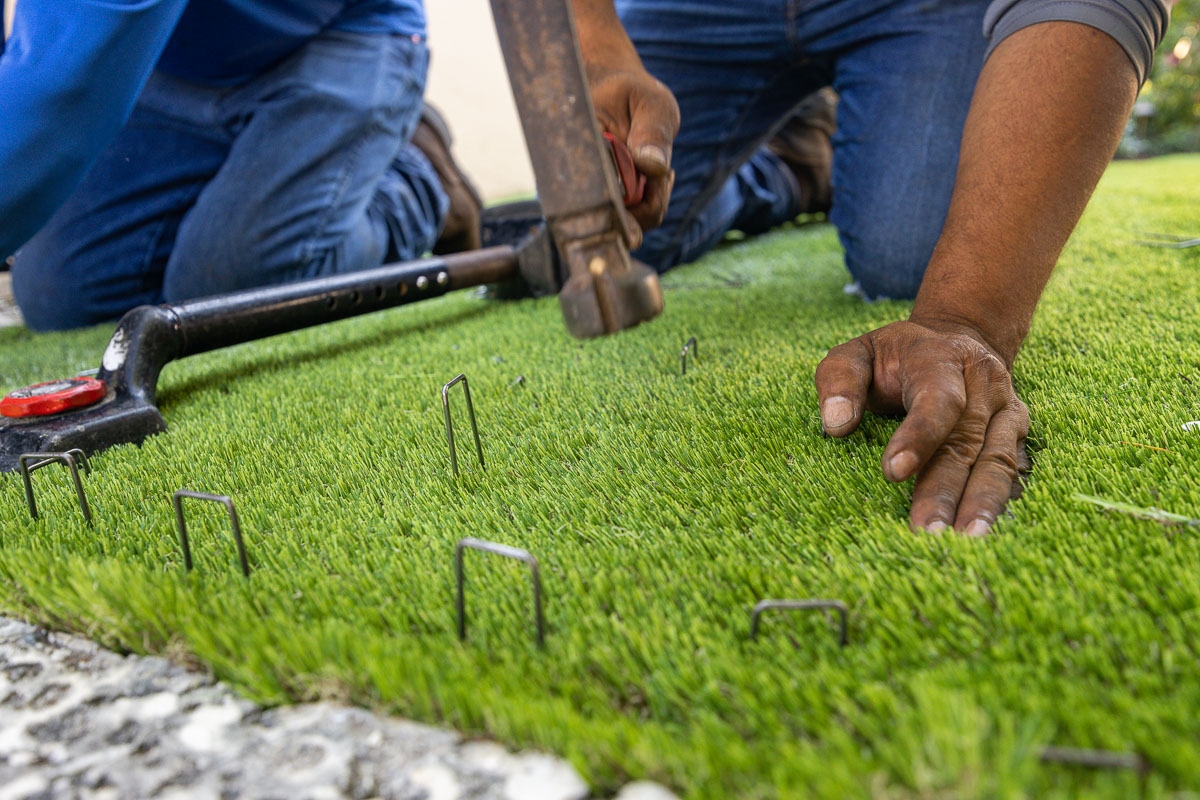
70 459
460 378
692 346
224 500
507 552
1097 759
799 605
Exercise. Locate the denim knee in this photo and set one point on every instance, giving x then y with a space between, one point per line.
62 282
46 302
888 262
41 306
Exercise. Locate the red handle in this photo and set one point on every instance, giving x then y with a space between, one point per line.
633 183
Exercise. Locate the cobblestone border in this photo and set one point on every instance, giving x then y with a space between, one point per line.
78 721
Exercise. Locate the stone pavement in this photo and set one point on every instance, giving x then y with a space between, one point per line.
77 721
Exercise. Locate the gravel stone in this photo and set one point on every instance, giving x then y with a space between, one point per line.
77 721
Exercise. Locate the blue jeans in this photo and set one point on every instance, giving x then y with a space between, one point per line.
905 72
303 171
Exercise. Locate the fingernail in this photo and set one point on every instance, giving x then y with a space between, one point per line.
836 412
902 464
937 526
978 529
653 153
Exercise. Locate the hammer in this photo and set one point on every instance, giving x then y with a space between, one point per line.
117 406
580 192
572 243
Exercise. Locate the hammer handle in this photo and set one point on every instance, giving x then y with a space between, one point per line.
210 323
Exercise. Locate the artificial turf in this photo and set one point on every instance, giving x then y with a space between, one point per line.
662 507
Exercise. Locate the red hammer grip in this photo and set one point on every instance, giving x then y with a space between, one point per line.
633 183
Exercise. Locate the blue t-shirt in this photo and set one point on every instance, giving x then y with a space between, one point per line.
72 70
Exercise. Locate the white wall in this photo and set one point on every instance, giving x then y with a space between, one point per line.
468 83
9 6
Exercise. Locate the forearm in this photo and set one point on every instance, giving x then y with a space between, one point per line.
630 104
1046 117
602 38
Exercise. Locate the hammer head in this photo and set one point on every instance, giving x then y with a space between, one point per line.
607 290
601 288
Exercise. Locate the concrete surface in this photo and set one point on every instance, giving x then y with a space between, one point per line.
77 721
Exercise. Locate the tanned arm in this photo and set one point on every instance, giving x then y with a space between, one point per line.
1046 117
630 103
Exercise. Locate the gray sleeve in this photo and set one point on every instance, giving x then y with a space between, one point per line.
1137 25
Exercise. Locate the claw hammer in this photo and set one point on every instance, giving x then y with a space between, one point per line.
581 193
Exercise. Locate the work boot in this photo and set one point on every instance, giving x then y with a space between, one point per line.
461 230
803 144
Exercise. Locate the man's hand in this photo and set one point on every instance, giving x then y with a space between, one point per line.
1032 151
964 434
631 105
641 111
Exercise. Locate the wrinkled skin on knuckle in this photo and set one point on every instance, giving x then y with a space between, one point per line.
1020 412
1004 460
962 446
1013 459
952 398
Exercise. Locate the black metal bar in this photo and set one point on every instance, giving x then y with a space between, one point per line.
799 605
151 336
225 500
211 323
505 551
67 459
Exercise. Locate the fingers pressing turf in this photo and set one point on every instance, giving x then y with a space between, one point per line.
995 471
939 486
935 397
843 379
